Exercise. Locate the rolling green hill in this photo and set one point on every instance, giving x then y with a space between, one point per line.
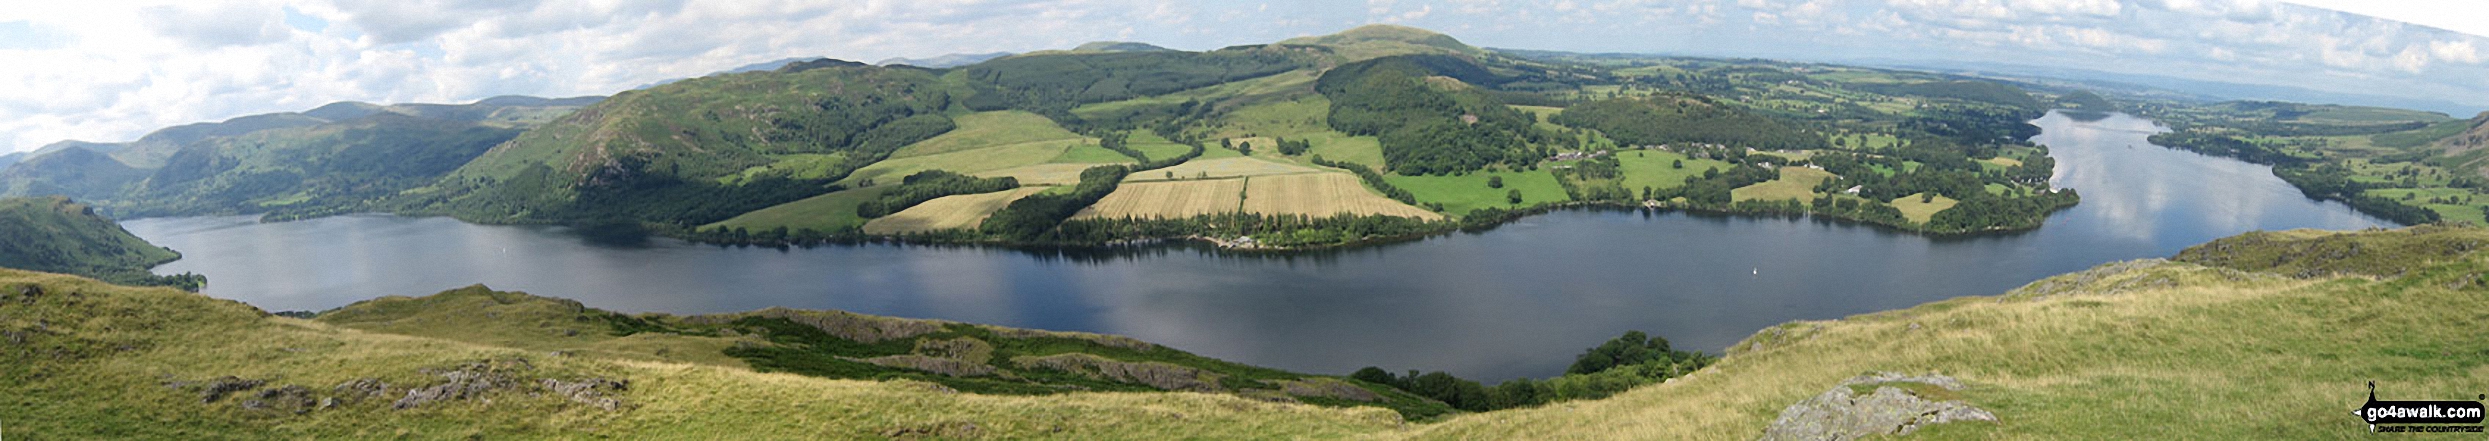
73 171
658 155
84 359
337 158
1381 40
55 235
310 171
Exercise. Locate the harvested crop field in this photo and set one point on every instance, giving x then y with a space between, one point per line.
948 212
1795 183
1221 168
1322 194
1173 199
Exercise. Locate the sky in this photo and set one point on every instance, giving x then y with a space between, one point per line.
111 70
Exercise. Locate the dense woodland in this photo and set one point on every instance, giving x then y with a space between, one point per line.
1427 127
1615 366
1051 84
1678 120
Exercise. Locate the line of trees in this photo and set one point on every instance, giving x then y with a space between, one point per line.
1372 179
1272 230
929 185
2333 182
1615 366
1029 218
1675 119
2223 145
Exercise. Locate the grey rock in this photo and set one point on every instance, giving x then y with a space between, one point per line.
590 391
465 382
361 388
291 397
1843 414
217 389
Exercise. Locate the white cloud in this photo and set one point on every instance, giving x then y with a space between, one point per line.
2460 51
110 70
217 24
2099 8
2412 59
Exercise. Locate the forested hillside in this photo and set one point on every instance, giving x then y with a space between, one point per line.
53 234
1428 126
338 158
666 154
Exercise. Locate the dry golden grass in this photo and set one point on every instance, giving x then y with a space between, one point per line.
1795 183
1177 199
947 212
2004 161
1322 195
1922 211
1221 168
2149 350
168 335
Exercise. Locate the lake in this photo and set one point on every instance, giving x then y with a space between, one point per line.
1518 300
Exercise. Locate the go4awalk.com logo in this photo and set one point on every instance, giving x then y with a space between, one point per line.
2420 416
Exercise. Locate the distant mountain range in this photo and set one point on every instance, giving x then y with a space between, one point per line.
944 61
2208 90
754 67
323 160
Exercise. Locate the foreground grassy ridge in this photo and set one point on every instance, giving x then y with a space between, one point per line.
2261 336
88 360
2131 350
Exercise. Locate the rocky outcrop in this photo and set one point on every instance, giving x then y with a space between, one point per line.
591 391
1112 341
291 398
938 365
1316 387
1154 374
963 349
842 324
1892 405
219 388
466 381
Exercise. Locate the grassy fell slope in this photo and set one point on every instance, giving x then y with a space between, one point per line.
2265 335
657 155
54 234
85 359
1381 40
2215 345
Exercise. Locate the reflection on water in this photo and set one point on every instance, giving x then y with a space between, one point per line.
1519 300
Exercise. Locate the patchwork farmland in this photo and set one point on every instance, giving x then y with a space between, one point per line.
948 212
1322 195
1172 199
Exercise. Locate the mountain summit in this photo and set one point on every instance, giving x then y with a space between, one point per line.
1381 40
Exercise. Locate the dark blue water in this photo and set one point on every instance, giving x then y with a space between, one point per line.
1520 300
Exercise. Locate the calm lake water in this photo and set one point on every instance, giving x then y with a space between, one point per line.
1520 300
